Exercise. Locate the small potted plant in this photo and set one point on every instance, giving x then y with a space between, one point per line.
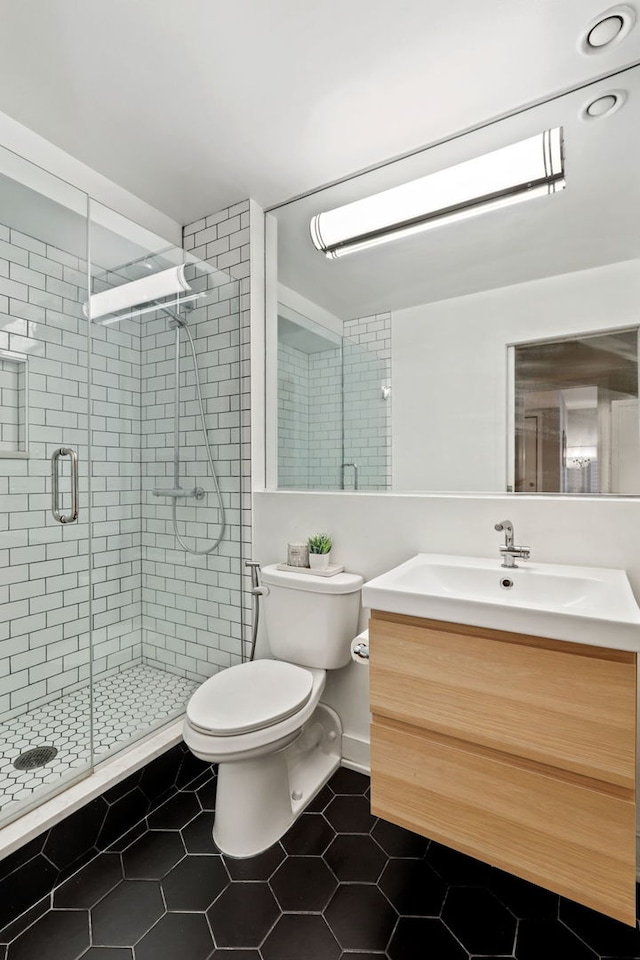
319 551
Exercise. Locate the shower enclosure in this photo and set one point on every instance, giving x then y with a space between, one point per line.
119 482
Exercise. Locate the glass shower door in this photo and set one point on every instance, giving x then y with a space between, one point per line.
45 655
367 419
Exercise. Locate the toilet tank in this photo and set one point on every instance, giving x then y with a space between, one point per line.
310 619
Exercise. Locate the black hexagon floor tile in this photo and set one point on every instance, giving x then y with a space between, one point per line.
175 937
413 887
524 899
321 800
341 885
297 936
608 937
206 794
108 953
398 842
260 867
175 813
153 855
198 835
548 938
361 917
457 868
303 883
494 936
195 882
348 781
310 836
350 814
355 856
424 937
87 886
243 914
125 914
58 935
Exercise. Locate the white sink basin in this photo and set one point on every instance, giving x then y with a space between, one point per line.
593 605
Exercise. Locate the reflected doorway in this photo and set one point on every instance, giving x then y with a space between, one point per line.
576 415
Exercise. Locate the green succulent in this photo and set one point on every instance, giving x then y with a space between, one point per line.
320 543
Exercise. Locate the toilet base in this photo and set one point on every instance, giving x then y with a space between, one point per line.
259 798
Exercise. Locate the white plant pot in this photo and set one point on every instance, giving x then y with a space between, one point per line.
319 561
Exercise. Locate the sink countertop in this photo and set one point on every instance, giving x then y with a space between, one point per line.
591 605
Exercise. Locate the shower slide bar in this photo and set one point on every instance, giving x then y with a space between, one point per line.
55 485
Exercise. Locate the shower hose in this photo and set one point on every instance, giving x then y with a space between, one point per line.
181 541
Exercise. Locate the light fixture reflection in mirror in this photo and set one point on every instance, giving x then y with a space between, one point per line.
439 311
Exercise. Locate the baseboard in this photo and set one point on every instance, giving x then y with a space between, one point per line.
356 754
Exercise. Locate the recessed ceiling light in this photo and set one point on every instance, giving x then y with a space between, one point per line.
607 30
604 105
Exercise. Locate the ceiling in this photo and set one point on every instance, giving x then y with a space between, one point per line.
195 105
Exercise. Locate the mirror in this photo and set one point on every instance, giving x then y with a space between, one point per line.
416 377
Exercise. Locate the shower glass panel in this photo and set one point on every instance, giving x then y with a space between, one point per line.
367 419
45 652
165 434
120 482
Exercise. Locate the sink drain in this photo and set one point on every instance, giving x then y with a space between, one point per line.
38 757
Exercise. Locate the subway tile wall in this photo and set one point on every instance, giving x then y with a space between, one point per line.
293 418
325 419
367 427
44 592
208 615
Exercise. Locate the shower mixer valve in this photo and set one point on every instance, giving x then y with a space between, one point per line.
198 493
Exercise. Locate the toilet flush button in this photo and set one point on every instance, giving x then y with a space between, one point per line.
296 795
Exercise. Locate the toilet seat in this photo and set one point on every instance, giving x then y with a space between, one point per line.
249 697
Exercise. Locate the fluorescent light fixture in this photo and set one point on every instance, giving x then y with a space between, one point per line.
166 283
521 171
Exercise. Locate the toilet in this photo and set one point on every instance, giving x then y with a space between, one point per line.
262 722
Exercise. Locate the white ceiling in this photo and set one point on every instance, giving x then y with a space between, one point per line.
198 104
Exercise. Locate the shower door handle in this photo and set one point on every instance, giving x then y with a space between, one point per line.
55 491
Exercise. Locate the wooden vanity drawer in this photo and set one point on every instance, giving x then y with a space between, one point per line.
567 705
568 834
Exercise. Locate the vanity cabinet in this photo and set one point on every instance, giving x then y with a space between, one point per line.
517 750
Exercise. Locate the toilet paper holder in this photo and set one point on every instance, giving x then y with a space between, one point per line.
360 647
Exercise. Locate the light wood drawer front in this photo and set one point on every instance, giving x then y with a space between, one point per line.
573 710
573 839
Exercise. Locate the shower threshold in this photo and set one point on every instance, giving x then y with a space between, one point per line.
127 705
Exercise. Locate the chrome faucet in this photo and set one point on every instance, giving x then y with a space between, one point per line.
508 550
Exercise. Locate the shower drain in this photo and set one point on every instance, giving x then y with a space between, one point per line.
37 757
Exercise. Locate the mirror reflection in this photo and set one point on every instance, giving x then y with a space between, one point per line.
493 351
576 415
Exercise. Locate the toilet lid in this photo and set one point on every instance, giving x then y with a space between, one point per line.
249 696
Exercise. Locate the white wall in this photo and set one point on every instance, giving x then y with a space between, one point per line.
373 532
449 369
